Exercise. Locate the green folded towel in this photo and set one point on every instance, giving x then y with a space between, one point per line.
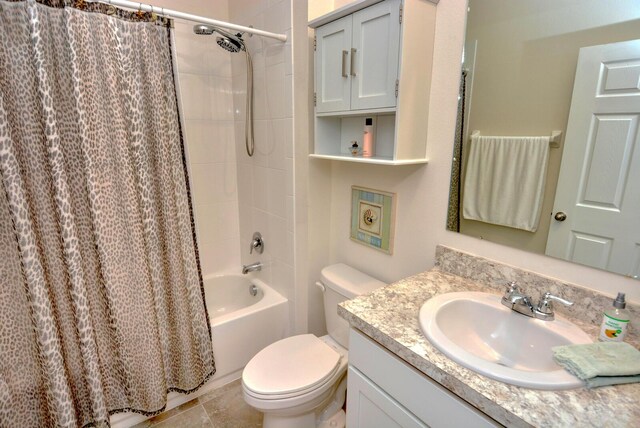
601 363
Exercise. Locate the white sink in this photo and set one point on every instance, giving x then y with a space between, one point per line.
477 331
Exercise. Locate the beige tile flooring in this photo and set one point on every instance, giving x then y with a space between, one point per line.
221 408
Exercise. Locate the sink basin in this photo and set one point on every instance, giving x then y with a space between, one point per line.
477 331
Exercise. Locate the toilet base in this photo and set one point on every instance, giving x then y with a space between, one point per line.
339 420
307 420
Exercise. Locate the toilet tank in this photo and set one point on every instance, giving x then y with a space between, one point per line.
342 283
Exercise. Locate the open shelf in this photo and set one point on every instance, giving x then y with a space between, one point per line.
378 160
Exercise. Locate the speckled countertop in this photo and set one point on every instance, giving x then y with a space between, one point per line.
390 317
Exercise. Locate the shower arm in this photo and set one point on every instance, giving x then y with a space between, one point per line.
189 17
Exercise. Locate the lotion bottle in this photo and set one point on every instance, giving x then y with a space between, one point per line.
367 139
615 321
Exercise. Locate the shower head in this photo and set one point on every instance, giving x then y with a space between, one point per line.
230 44
203 30
228 41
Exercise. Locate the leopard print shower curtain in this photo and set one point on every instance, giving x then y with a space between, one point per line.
101 301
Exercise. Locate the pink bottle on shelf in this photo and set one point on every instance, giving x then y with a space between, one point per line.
367 140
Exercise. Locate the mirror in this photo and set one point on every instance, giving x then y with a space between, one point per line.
577 199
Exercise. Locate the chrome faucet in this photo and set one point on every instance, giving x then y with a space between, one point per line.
257 266
521 303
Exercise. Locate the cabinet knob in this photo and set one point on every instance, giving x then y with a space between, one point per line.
560 216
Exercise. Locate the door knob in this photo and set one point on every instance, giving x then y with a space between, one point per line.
560 216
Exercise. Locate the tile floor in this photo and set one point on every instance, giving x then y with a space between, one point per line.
220 408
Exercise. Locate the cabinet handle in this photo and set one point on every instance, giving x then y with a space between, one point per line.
344 63
353 64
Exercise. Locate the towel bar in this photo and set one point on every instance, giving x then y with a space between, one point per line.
554 139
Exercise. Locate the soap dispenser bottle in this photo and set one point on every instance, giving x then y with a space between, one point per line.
615 321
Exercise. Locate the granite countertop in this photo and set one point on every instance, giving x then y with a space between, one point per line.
390 316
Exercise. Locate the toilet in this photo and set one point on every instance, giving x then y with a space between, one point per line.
301 381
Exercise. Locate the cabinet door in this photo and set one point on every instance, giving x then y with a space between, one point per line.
333 50
370 407
374 57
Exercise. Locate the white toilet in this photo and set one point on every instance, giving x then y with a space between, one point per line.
300 381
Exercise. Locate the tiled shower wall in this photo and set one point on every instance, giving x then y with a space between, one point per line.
265 181
205 85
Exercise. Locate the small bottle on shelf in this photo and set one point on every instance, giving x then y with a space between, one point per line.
367 139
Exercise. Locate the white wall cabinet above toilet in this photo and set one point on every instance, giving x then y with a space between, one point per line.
357 60
373 60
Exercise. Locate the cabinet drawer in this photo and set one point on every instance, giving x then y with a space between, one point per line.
421 396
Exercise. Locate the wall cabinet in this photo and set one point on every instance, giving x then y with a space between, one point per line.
373 60
384 391
357 60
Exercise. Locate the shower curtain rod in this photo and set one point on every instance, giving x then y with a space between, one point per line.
189 17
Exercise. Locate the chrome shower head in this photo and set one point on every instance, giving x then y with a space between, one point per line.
203 30
229 42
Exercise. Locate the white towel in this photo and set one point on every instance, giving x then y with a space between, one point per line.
505 178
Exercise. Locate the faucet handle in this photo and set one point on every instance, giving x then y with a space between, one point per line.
257 243
545 306
512 287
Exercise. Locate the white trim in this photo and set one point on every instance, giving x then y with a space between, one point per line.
189 17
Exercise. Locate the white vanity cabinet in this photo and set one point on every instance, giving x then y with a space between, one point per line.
385 392
356 64
373 60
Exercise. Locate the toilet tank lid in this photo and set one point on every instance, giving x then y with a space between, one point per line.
348 281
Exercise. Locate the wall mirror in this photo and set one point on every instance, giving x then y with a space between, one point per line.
529 68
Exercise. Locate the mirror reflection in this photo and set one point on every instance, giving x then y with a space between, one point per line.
547 144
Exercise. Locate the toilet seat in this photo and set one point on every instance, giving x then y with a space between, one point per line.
290 368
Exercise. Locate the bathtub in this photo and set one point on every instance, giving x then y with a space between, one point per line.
241 325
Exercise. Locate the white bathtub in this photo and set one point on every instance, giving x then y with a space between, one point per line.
241 325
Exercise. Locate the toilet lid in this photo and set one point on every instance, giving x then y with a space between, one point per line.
290 365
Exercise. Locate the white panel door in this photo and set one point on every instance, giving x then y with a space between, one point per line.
333 50
374 56
599 183
371 407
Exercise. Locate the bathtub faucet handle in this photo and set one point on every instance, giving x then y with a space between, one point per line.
257 243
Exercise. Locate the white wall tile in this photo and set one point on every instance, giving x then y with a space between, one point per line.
287 133
201 177
276 198
205 224
276 92
260 188
277 17
210 141
263 142
269 173
196 99
278 231
290 214
221 97
223 256
288 95
279 140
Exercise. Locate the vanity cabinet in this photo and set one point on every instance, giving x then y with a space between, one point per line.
384 391
373 60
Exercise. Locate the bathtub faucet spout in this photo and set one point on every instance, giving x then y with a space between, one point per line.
252 267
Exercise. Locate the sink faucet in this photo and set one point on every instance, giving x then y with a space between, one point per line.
252 267
521 303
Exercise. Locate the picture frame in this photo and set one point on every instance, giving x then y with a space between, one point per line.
373 218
